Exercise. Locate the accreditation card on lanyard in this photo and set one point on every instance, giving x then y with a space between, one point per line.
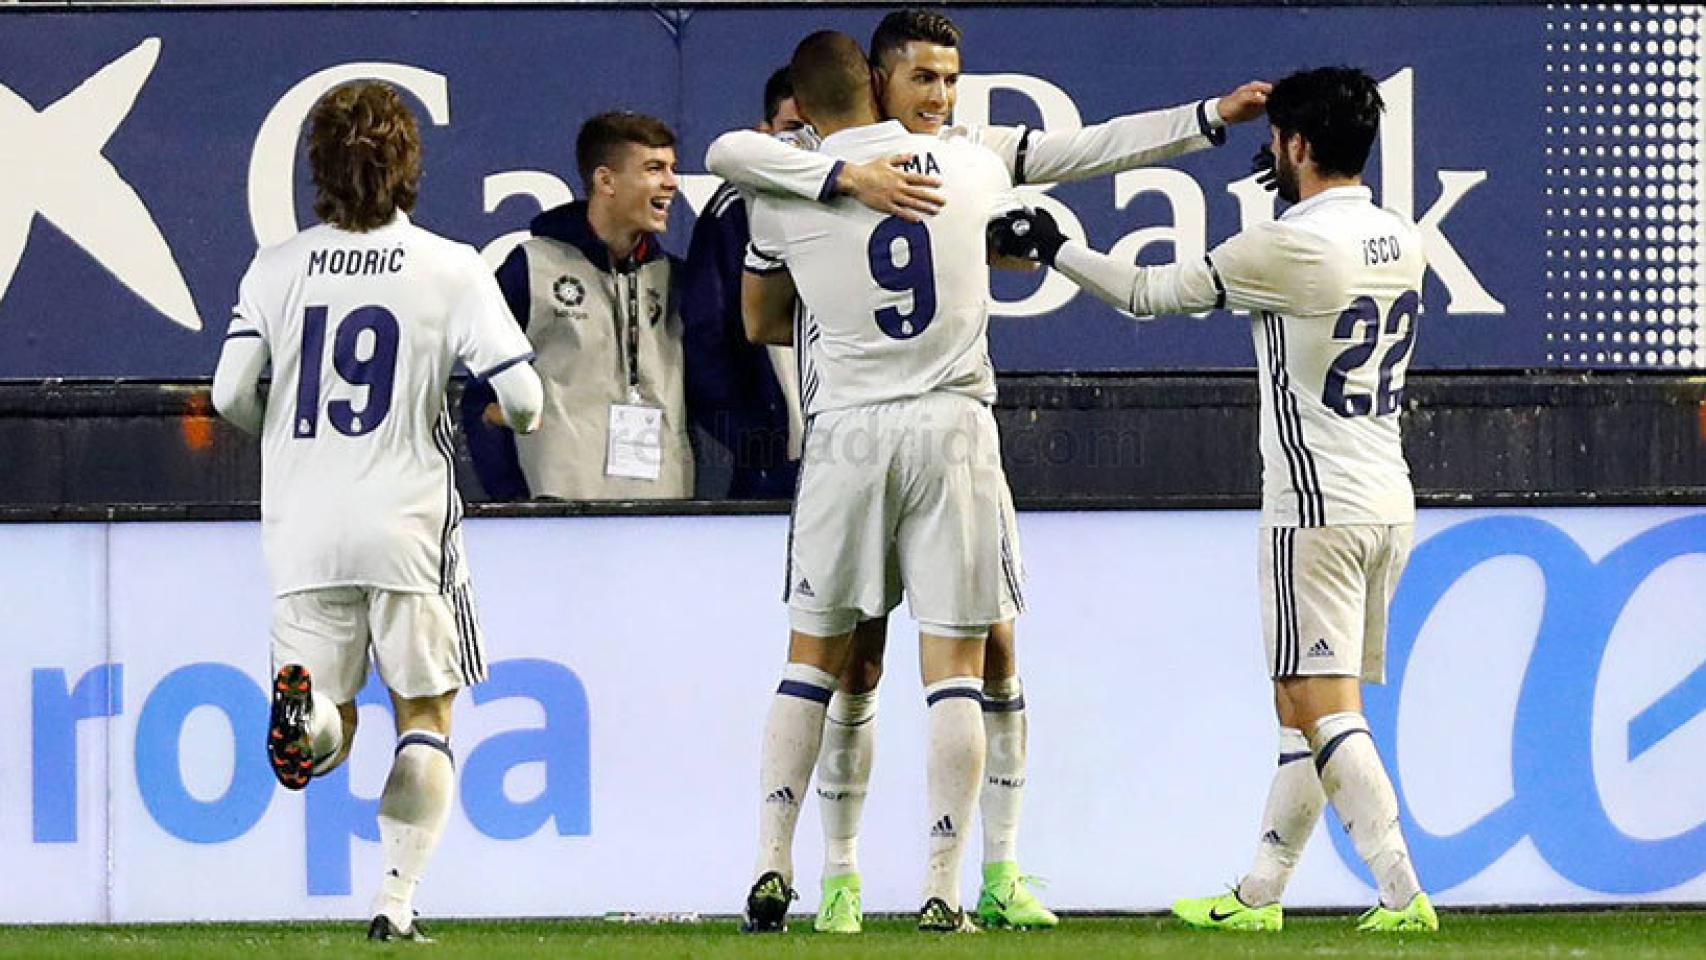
636 427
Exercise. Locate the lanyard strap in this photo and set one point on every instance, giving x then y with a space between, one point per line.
633 331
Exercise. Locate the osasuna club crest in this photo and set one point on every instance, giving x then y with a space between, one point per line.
569 292
654 306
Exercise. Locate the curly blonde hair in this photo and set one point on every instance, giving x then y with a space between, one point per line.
364 149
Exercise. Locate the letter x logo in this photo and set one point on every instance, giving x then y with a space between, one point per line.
51 164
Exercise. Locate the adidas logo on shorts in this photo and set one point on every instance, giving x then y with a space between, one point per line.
1320 649
805 588
944 827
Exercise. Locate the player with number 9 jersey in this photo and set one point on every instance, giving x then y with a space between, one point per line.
364 330
899 309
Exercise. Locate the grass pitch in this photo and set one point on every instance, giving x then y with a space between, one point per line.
1621 934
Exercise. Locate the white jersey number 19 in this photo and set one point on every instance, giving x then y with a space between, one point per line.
377 371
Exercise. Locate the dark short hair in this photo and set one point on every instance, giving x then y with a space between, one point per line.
902 27
364 150
602 138
1336 109
830 74
778 88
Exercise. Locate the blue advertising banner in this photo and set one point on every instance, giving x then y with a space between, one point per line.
1550 156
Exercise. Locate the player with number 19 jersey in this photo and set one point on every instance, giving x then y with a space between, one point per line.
898 309
364 329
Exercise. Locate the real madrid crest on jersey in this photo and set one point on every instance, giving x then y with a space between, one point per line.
654 306
569 293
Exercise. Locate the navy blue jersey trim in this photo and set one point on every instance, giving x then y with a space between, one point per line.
1216 135
1020 155
527 357
826 193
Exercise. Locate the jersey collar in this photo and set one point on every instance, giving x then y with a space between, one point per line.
869 133
1330 195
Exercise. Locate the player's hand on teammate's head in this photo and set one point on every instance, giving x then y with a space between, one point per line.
886 186
1245 103
1262 165
1030 234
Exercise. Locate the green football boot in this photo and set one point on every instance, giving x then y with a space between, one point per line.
1227 912
1417 917
1006 901
840 910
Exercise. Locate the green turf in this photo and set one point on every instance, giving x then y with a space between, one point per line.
1610 934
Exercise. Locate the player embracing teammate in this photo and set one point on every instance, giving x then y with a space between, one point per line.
1333 288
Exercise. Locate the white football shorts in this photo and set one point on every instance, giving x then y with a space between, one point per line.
425 644
903 497
1324 594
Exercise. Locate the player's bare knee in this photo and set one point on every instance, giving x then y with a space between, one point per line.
945 652
423 713
1301 702
827 653
1001 655
865 666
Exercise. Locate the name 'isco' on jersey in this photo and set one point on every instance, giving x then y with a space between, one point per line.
893 309
1334 290
364 329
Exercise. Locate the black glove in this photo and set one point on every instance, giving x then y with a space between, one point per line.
1028 234
1262 165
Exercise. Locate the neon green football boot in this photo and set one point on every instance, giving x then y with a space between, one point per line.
1417 917
841 910
1227 912
1006 901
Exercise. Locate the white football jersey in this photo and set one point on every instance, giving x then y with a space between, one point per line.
358 486
1334 291
894 309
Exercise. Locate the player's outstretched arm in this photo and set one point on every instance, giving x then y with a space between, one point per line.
1134 140
757 162
1140 291
521 397
236 381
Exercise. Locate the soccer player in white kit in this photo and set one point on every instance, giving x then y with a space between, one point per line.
915 68
900 483
363 318
1333 287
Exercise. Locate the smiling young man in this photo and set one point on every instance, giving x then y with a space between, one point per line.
593 290
915 72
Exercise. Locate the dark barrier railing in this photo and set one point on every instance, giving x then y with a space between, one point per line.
139 451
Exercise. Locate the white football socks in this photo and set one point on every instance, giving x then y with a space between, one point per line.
1362 796
325 734
844 777
793 734
1004 769
954 773
412 813
1295 799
